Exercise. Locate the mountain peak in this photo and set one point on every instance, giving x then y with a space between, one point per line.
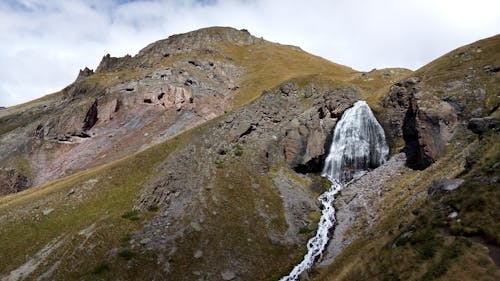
200 39
204 39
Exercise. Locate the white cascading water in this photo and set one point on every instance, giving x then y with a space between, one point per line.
358 144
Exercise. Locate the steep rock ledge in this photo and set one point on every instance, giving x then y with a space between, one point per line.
426 125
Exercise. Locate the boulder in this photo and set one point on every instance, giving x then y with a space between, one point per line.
228 275
443 184
482 125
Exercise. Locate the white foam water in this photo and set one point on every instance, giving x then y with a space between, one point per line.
358 144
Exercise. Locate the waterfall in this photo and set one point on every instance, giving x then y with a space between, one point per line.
358 144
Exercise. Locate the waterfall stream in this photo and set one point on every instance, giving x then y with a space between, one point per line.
358 144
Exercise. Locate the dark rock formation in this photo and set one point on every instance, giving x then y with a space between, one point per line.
491 68
398 103
482 125
91 117
425 124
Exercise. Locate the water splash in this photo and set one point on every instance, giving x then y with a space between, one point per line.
358 144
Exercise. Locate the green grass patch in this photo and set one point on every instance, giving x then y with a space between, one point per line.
305 230
133 215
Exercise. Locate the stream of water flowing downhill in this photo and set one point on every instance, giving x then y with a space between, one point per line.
358 144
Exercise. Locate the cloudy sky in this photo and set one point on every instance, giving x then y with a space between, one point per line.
43 43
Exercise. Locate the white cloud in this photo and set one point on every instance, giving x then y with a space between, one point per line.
43 44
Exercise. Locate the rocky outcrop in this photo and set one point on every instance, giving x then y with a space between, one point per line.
398 103
91 117
109 63
309 135
12 181
171 97
203 39
86 72
424 122
443 185
482 125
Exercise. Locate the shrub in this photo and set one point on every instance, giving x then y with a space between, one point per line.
131 215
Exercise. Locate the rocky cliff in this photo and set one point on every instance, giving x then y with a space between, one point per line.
199 159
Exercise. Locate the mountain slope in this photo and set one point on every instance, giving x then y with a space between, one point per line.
132 103
146 215
224 187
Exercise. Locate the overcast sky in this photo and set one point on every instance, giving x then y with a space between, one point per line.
44 43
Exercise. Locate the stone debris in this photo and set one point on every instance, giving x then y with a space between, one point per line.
47 211
228 275
198 254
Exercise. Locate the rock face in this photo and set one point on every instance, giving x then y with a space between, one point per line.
103 116
398 102
171 97
91 117
425 125
309 135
